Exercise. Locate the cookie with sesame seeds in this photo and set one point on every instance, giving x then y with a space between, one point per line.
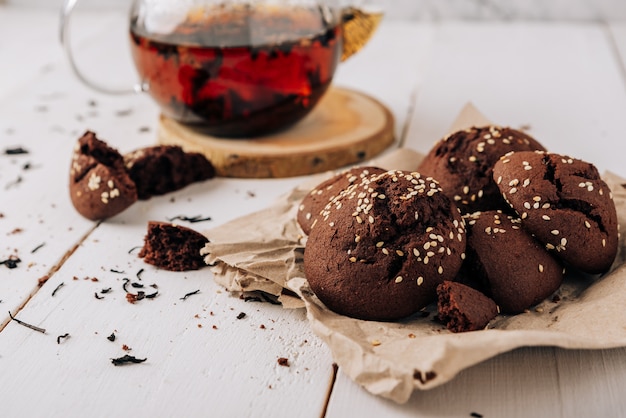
162 169
463 308
322 194
383 245
463 163
512 267
100 187
565 204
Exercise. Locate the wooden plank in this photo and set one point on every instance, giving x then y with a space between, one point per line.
201 359
599 377
39 113
498 387
192 368
391 67
563 81
617 31
38 50
560 80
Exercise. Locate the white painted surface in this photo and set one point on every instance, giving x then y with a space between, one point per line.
435 10
564 80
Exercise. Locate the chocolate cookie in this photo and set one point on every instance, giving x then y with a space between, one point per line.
163 169
383 245
462 163
462 308
514 268
314 202
173 247
100 187
565 204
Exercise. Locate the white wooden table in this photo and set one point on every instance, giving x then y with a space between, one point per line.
566 82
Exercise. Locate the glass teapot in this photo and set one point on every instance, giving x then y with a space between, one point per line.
237 68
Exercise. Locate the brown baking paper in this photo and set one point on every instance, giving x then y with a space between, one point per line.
263 251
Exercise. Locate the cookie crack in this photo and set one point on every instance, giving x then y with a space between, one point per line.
550 173
583 207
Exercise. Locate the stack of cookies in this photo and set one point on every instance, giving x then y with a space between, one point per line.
486 224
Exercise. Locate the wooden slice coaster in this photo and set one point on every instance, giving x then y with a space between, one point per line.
345 128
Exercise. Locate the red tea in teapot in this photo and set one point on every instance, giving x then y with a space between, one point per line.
239 71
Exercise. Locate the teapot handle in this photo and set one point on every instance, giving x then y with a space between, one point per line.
66 13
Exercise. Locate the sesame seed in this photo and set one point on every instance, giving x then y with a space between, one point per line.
514 182
545 217
440 270
524 215
385 251
371 219
427 245
540 268
513 190
359 220
462 256
526 182
587 224
527 205
549 246
425 260
603 242
376 343
400 253
398 279
416 252
555 232
352 259
488 230
420 280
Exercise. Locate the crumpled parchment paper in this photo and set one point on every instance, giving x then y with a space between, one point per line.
263 251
